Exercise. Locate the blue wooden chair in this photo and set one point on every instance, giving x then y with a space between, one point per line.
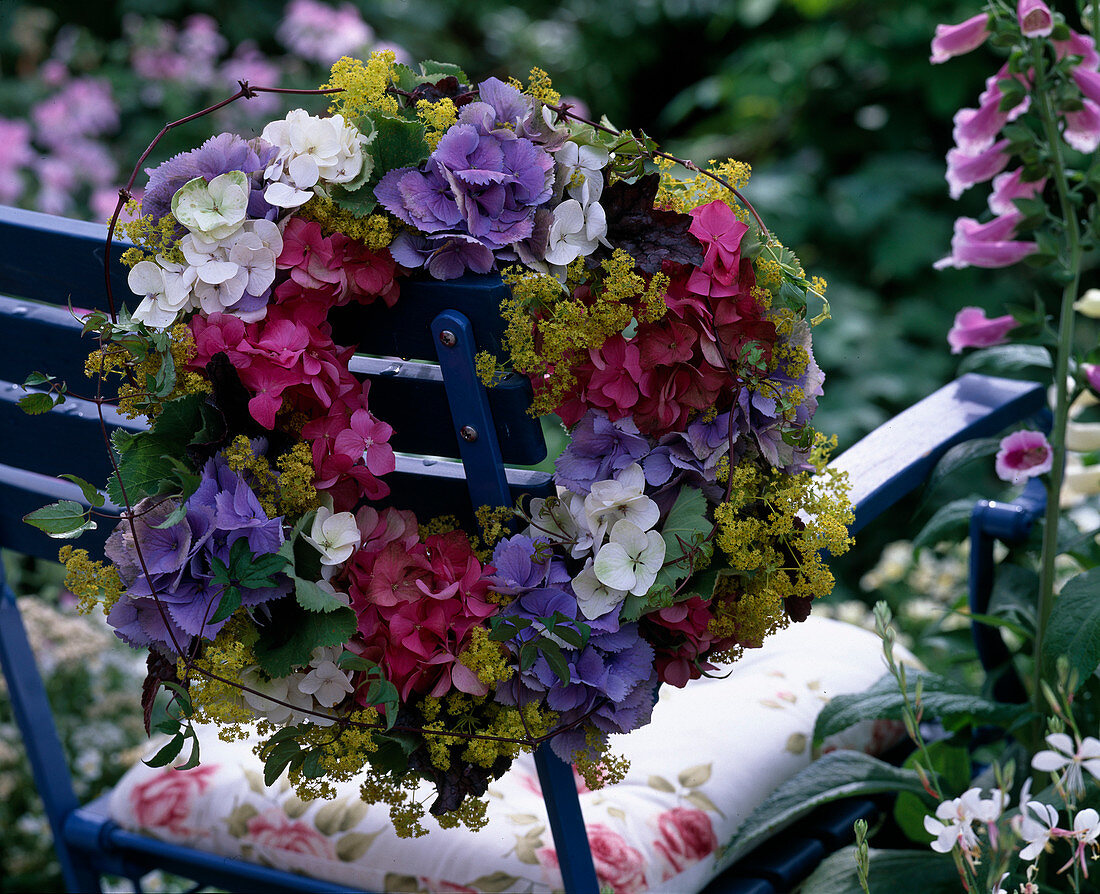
437 409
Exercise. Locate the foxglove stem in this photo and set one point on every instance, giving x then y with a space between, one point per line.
1072 261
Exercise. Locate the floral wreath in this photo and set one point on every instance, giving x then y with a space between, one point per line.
652 312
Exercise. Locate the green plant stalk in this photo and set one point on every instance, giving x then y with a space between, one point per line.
1066 321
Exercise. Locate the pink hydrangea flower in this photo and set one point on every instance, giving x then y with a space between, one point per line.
972 329
1023 454
954 40
1035 18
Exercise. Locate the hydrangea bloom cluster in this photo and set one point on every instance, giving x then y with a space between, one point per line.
666 329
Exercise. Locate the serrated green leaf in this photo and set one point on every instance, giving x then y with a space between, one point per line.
63 519
287 641
312 598
951 702
174 517
229 603
36 378
551 651
1073 630
840 774
91 493
36 404
432 71
399 144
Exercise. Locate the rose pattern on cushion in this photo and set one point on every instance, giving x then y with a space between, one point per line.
165 802
686 837
618 865
276 835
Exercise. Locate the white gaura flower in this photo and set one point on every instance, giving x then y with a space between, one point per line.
334 534
165 290
213 210
595 598
619 498
953 824
631 559
1036 825
1070 761
1086 830
312 151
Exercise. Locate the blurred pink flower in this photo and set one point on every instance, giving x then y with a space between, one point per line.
1010 186
973 329
322 34
954 40
986 245
965 169
15 155
1082 129
1035 18
1023 454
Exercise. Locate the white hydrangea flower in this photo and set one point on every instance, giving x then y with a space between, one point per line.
595 598
334 534
581 166
562 521
282 689
312 150
631 559
213 210
619 498
325 681
165 290
226 269
575 232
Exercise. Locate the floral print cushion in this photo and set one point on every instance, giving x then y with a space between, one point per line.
713 752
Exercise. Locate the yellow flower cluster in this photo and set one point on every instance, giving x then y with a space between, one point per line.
155 237
487 659
549 329
219 700
291 492
92 581
373 231
133 399
296 494
343 750
493 522
596 764
364 86
539 86
772 529
684 194
405 811
438 117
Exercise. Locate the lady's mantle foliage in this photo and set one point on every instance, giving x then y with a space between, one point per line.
665 327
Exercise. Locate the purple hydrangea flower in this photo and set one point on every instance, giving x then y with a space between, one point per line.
446 255
483 181
179 561
612 681
598 449
218 155
524 564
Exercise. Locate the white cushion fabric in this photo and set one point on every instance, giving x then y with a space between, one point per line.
713 752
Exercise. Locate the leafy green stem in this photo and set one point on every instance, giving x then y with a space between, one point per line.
1071 276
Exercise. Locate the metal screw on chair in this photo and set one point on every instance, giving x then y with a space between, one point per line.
468 432
449 339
